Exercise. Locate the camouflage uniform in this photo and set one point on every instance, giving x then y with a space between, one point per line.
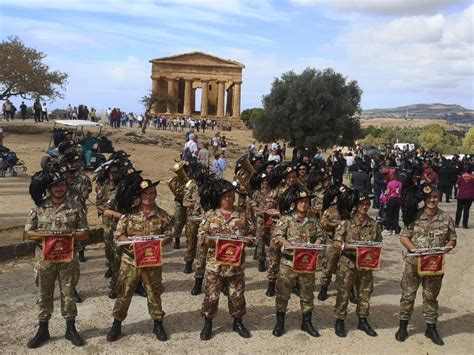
290 228
103 193
179 217
260 200
317 201
157 222
424 234
274 252
111 204
193 214
350 231
68 216
330 221
215 224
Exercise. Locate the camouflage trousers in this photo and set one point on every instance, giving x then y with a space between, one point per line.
109 241
431 286
329 263
287 279
117 262
201 256
191 240
46 275
129 277
236 298
263 239
347 277
274 261
179 219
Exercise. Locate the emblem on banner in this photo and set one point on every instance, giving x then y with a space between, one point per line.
58 248
431 264
368 258
148 253
229 252
305 260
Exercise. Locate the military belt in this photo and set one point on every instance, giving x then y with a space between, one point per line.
287 257
350 256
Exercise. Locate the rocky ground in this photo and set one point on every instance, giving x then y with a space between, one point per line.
183 321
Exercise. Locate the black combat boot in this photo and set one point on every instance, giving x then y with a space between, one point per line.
82 258
112 294
353 297
108 273
323 293
41 336
432 333
225 288
239 327
115 331
71 333
307 326
365 327
197 289
140 290
188 267
261 266
255 253
280 324
340 328
206 331
77 297
271 289
176 243
402 332
159 331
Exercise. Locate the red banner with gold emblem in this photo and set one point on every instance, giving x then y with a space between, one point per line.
148 253
58 248
305 259
229 252
368 258
431 264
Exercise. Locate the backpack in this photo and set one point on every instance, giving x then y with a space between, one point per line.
187 156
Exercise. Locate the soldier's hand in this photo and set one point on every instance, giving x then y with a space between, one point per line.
166 240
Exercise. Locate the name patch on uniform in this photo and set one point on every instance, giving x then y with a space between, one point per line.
431 264
368 257
229 252
305 260
58 248
148 253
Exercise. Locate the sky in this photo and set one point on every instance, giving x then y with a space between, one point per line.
399 51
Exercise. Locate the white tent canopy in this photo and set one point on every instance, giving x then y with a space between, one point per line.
78 123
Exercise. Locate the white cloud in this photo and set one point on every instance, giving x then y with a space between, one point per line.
384 7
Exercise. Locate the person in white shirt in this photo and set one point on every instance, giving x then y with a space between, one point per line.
274 146
192 145
274 156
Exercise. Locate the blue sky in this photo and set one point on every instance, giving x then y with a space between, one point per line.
400 51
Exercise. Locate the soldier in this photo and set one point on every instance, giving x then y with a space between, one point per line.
263 199
55 211
145 219
358 227
318 183
298 225
176 185
330 220
198 174
281 179
228 220
303 170
424 228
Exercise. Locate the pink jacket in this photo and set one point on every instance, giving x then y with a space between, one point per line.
466 187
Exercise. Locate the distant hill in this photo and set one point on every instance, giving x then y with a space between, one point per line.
451 113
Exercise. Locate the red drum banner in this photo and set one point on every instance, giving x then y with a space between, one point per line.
431 264
305 260
58 248
229 252
148 253
368 258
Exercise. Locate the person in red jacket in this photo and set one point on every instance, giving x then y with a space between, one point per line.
465 196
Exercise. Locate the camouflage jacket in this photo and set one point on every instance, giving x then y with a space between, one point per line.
317 201
214 224
177 188
80 186
351 230
290 228
136 223
260 200
425 233
111 204
68 216
191 196
331 219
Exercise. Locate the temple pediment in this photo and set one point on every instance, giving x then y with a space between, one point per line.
199 59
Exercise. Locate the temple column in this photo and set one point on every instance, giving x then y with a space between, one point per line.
188 86
236 100
220 98
204 98
154 91
170 92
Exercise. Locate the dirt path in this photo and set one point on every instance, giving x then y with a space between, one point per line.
183 321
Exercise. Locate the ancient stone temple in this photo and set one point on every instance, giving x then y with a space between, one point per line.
218 80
